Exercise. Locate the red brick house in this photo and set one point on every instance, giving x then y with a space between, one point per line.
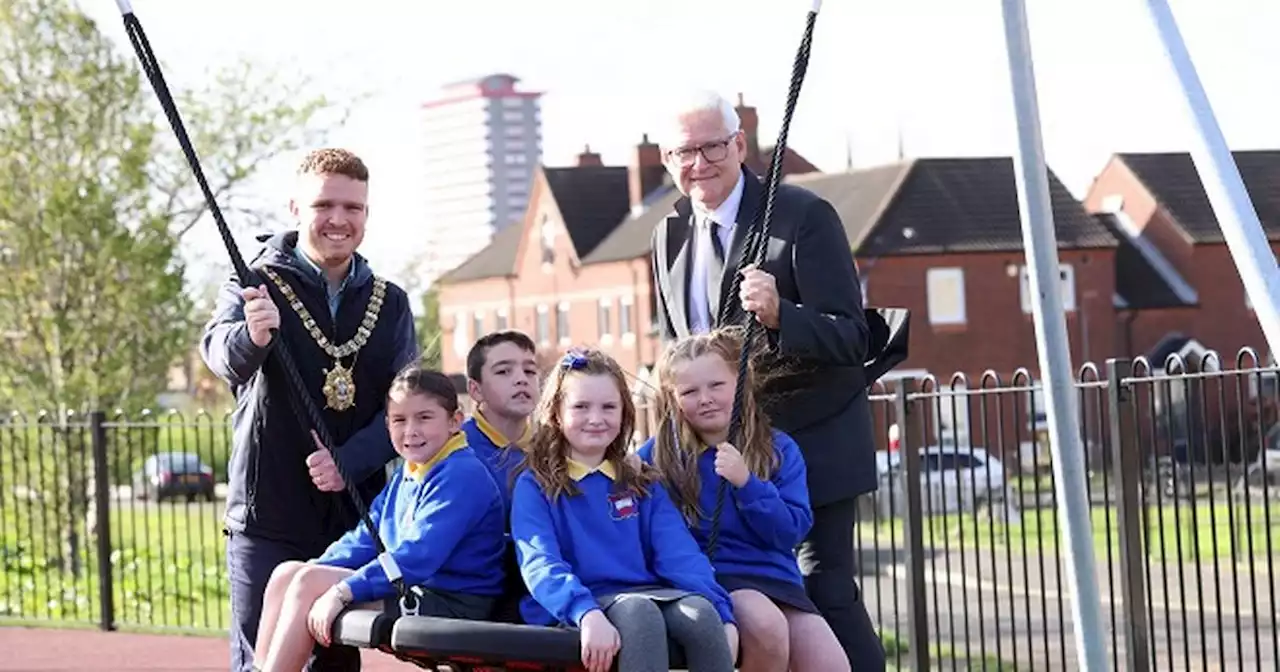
1159 200
576 271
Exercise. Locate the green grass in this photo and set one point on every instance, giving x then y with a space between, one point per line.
166 565
1186 533
941 657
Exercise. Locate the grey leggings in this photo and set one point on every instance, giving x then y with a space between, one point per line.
691 621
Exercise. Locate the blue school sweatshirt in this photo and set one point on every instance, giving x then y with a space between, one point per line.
443 523
499 454
597 543
763 521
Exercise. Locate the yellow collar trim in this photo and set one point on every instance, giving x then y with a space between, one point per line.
455 443
494 435
579 471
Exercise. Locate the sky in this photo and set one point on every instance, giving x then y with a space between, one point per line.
934 71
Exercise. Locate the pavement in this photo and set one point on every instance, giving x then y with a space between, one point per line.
65 650
1016 608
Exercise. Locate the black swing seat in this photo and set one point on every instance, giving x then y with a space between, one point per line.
428 641
363 629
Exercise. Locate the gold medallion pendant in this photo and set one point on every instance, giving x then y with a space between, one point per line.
339 383
339 388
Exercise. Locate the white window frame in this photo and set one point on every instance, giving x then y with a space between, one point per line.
1067 288
944 277
626 329
563 308
461 344
543 317
605 321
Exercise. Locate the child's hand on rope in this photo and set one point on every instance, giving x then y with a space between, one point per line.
729 465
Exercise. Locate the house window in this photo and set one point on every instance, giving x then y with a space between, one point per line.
945 287
1067 279
548 238
542 328
500 320
562 322
477 324
604 316
461 344
625 328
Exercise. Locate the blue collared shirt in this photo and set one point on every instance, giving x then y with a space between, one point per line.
335 296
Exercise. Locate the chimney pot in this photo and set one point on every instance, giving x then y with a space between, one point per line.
749 121
589 158
645 172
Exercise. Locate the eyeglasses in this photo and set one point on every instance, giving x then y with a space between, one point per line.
714 151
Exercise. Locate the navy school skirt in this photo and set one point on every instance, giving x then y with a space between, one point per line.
783 593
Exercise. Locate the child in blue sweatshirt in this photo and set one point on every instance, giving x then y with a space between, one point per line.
502 379
600 547
440 517
766 511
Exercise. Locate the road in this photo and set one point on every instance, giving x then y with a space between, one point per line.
1012 607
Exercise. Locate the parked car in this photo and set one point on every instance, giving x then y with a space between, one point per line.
952 478
168 475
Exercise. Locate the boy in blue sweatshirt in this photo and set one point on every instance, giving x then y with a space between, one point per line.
502 379
440 517
766 513
600 547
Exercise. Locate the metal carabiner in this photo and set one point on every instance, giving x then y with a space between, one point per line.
415 594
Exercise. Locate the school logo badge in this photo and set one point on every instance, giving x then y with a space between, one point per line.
622 506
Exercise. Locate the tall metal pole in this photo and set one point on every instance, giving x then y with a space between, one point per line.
1054 349
1221 179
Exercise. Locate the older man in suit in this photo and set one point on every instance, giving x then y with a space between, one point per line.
807 296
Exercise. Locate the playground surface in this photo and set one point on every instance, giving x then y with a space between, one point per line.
63 650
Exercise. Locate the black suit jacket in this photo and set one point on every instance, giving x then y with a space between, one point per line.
823 335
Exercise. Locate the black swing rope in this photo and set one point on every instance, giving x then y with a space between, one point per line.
302 403
754 246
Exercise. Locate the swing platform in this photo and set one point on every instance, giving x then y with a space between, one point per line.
468 646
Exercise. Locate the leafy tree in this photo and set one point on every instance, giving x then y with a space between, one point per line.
428 328
91 289
96 196
243 118
94 201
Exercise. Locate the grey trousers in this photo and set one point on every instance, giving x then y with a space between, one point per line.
644 624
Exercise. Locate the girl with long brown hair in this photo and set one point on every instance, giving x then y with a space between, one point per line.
766 510
600 546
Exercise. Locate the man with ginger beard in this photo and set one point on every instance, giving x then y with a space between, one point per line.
349 332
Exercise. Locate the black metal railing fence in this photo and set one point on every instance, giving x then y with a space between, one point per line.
959 557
